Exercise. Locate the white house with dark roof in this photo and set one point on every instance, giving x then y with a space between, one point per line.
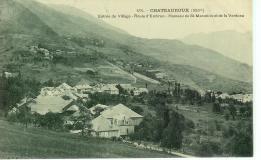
83 88
110 88
116 121
106 88
139 91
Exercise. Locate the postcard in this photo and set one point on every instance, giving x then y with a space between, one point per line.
126 79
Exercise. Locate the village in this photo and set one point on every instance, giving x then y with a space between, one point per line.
107 121
112 121
132 112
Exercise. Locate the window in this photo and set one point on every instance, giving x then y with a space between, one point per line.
115 121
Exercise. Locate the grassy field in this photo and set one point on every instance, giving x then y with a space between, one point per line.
19 142
209 126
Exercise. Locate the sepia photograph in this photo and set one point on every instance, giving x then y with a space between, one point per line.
126 79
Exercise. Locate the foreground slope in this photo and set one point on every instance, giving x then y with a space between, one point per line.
18 142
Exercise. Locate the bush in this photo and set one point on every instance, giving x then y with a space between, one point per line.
172 134
208 149
241 143
216 108
137 109
189 124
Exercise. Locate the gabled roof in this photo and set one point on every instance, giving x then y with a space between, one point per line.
73 108
127 86
141 90
45 104
83 86
109 87
119 109
64 86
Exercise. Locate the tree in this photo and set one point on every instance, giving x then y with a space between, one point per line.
83 121
51 120
233 111
144 130
241 143
242 111
97 111
121 90
137 109
172 134
216 108
24 115
208 148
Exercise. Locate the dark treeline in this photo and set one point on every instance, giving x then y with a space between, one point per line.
14 89
166 127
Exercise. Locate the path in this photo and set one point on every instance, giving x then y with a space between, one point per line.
134 78
146 78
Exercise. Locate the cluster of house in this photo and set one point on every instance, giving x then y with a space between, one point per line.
158 73
46 54
113 121
239 97
131 89
82 89
55 98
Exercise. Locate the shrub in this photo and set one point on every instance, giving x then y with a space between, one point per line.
208 149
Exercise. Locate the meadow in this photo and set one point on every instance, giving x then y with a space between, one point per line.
16 141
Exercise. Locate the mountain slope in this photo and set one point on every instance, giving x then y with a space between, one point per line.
232 44
79 13
12 20
80 38
80 24
176 52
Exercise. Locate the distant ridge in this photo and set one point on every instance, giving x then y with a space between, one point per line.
232 44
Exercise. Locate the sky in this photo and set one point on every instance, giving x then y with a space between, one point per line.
168 28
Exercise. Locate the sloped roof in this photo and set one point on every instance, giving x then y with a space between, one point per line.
127 86
45 104
142 90
119 109
73 108
83 86
103 124
64 86
109 87
69 94
81 95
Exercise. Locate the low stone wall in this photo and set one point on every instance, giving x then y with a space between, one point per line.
156 148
